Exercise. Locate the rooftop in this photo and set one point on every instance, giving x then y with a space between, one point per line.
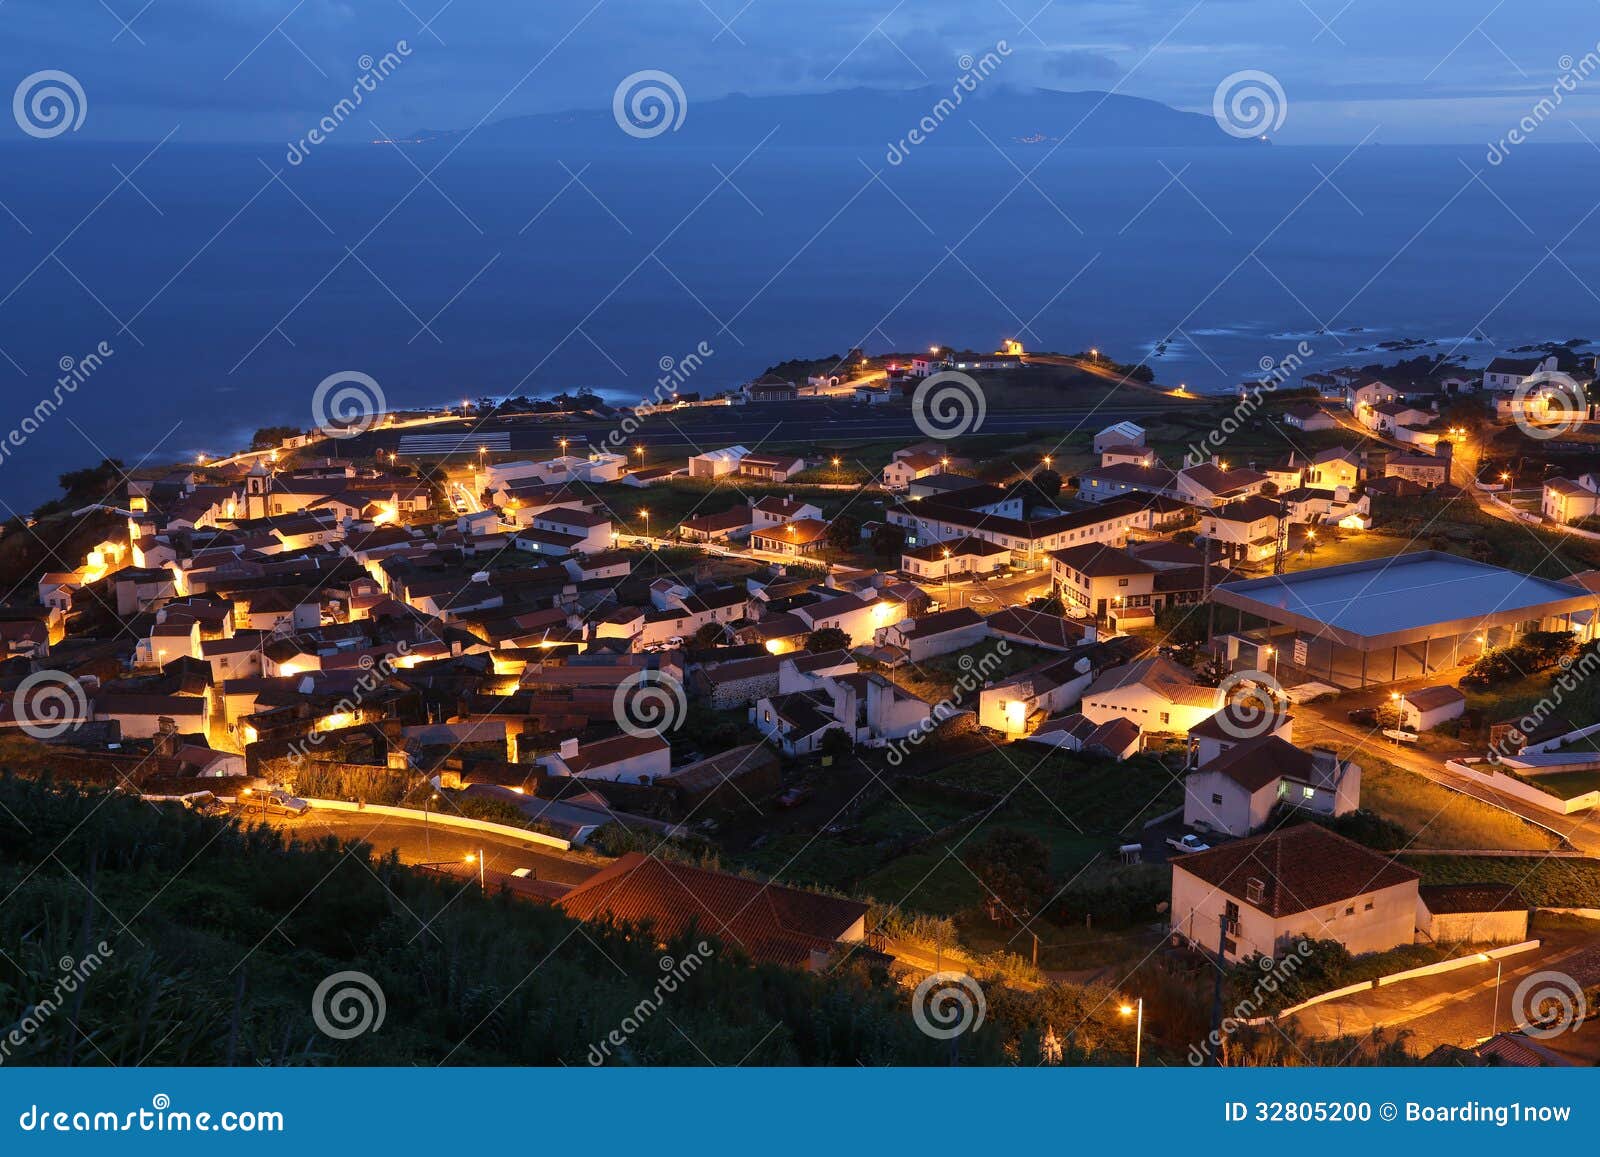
1386 601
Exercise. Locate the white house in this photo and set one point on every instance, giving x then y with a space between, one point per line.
1235 792
866 707
716 463
1425 708
591 529
1509 373
1567 501
935 634
1018 705
1119 434
623 758
1244 532
1265 894
1156 693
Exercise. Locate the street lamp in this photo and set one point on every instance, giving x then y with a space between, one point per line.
1499 966
478 859
645 514
1136 1010
427 834
1273 651
639 450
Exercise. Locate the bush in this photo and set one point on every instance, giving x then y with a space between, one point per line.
1535 651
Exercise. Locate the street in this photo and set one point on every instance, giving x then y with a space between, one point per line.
434 843
1460 1007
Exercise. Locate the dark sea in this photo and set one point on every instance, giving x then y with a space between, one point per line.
227 283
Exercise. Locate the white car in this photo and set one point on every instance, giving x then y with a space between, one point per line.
1189 843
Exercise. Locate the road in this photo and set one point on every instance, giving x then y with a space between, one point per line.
1458 1008
435 843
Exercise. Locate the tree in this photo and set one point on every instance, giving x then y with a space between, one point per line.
888 540
1014 868
836 743
93 482
844 533
270 436
1047 482
710 635
827 639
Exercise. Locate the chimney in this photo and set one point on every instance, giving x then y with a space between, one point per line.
569 748
1325 767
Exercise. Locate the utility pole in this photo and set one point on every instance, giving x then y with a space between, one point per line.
1216 994
1205 593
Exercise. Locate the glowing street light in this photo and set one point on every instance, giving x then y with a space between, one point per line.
478 859
645 514
1136 1010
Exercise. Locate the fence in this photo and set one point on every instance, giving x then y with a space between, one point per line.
1396 977
1526 792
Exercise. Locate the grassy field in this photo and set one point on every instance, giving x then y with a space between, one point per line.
1564 883
1442 818
934 679
1084 794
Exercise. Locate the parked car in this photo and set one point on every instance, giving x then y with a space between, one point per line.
795 796
1189 843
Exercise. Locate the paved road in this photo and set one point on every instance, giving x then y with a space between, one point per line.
437 844
1457 1008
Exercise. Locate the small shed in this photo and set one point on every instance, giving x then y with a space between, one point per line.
1472 913
1426 707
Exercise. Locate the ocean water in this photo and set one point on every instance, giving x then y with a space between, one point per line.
227 283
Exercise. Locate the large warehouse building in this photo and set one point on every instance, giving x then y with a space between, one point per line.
1399 618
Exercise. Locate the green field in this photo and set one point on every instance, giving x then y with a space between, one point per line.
1441 818
1553 883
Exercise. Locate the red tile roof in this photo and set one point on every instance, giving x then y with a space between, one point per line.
769 922
1300 868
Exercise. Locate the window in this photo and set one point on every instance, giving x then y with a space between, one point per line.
1368 906
1255 890
1231 913
1216 799
1166 717
1350 911
1229 947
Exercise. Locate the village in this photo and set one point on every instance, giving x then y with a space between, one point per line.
1118 700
